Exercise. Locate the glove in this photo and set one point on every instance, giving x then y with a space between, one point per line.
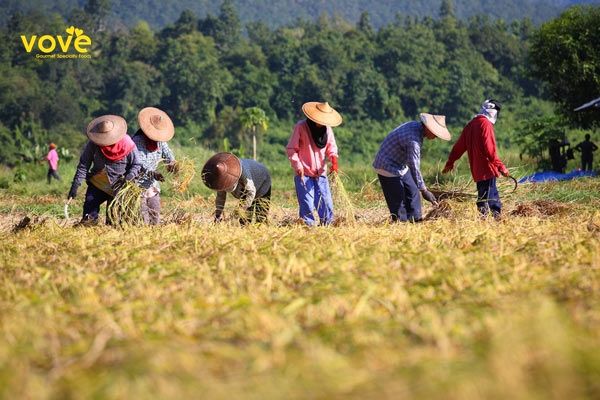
173 167
72 193
334 164
427 195
158 176
505 173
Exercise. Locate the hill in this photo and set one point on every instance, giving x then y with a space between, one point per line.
283 12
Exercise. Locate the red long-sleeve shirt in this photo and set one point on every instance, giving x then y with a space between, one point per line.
478 140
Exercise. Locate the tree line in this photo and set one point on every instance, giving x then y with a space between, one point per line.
206 71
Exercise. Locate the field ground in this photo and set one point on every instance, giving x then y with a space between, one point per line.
453 308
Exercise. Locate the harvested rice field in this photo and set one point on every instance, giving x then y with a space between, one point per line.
455 307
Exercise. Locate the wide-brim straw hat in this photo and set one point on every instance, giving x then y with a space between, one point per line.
107 130
156 124
322 113
436 124
222 172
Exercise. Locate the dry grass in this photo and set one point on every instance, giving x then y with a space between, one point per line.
453 308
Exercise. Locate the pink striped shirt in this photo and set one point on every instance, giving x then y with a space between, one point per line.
52 158
303 153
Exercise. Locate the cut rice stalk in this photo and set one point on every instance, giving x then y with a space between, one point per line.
185 170
126 208
344 208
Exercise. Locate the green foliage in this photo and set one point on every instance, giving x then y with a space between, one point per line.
565 54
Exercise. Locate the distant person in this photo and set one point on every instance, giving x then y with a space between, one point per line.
311 143
52 158
108 159
156 129
398 166
479 141
587 149
246 180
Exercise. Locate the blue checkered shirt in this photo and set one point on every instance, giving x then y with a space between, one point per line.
400 149
150 159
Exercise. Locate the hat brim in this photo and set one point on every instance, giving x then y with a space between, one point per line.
311 111
436 124
222 172
162 134
117 133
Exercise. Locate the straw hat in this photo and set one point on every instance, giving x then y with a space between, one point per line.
107 130
322 113
436 124
222 172
52 146
156 124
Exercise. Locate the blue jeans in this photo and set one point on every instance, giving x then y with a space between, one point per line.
488 198
314 193
94 198
402 197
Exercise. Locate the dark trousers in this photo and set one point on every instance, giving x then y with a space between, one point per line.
586 163
94 198
402 197
259 208
151 210
52 173
488 198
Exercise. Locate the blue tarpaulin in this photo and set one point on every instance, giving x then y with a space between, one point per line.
546 176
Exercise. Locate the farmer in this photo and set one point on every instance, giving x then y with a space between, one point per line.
479 141
587 149
246 180
312 141
156 129
109 158
397 164
52 158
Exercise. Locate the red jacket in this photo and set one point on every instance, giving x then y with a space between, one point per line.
478 140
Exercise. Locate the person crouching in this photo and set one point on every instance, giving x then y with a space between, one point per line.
246 180
156 129
109 158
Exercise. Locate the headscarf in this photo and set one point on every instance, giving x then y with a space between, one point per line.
52 146
490 109
151 145
119 150
319 134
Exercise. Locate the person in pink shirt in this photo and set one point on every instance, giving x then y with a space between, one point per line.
52 158
313 142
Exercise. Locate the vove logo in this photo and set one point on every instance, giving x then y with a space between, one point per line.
60 46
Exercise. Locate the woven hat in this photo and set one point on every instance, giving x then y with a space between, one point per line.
52 146
156 124
322 113
222 172
436 124
106 130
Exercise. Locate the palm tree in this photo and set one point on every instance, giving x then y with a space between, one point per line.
254 119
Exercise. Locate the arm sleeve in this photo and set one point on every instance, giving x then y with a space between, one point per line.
489 148
578 147
220 203
414 163
457 151
331 150
249 193
167 154
85 161
292 149
135 165
594 147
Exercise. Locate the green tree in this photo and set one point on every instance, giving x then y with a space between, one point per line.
566 55
253 120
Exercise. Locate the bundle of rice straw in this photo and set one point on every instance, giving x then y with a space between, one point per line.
344 209
184 172
126 208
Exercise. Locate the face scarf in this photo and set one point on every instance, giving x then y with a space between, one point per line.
151 145
490 109
119 150
319 135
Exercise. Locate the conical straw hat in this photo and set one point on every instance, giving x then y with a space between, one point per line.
436 125
107 130
222 172
322 113
156 124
